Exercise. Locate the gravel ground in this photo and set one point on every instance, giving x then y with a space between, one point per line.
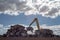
29 38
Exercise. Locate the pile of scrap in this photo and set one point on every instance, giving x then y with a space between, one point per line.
20 31
16 31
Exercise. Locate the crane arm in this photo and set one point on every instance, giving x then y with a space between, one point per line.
37 23
32 22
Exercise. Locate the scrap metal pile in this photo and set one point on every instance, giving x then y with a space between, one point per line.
20 31
16 30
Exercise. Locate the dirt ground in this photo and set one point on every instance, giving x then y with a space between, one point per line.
29 38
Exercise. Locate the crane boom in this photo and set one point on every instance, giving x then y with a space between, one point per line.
37 23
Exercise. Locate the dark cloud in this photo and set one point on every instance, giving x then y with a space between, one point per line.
9 4
53 11
44 9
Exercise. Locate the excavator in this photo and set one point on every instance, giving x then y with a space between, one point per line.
39 31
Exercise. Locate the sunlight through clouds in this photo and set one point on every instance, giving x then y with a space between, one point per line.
46 8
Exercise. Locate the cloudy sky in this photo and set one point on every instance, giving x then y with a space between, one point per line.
24 11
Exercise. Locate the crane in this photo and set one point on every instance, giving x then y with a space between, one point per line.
37 23
41 32
37 32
